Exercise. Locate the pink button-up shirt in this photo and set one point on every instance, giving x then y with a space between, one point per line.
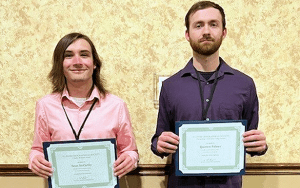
108 119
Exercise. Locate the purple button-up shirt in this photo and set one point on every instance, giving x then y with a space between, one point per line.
234 98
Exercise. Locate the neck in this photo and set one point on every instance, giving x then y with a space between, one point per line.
206 63
79 90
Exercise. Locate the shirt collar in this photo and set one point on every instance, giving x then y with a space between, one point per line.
190 70
95 94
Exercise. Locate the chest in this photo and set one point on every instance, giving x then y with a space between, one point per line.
97 124
226 102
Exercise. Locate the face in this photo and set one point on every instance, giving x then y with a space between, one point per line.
78 63
206 32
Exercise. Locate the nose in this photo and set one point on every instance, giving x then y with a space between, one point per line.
77 59
206 29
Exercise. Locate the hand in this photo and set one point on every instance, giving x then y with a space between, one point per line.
255 141
167 142
123 165
41 167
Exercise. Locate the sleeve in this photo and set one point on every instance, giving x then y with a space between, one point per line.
251 113
163 121
41 133
125 138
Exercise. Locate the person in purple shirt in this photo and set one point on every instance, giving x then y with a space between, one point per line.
206 89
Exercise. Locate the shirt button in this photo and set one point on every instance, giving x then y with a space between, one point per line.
207 100
207 83
207 119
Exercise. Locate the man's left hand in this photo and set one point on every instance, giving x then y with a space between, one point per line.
255 141
123 165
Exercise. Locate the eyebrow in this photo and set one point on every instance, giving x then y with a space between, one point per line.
201 21
81 51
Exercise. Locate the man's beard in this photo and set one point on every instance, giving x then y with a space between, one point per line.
208 48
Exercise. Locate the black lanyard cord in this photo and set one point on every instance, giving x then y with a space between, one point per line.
205 110
79 132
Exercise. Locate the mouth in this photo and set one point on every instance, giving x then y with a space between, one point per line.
77 70
206 40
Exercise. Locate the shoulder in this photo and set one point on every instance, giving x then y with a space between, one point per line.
242 77
112 99
173 79
236 76
50 98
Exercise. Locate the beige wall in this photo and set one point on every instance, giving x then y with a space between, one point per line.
271 181
136 39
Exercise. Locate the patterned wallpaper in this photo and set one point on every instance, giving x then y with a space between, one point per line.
136 39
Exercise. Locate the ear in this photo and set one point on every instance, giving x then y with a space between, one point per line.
187 35
94 67
224 33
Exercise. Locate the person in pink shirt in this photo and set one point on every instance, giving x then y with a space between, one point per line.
77 89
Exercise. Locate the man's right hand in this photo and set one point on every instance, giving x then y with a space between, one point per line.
167 142
41 167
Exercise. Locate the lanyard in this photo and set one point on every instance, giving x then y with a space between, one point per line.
79 132
205 110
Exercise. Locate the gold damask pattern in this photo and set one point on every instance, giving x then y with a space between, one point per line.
136 39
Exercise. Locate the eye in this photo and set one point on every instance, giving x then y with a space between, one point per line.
85 55
68 55
198 25
214 24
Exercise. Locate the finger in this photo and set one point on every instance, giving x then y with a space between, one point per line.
124 168
120 165
40 172
165 150
168 139
129 167
253 138
170 135
255 144
119 160
123 171
45 163
164 147
167 145
252 132
41 167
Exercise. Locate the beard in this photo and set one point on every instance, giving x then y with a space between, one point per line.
208 48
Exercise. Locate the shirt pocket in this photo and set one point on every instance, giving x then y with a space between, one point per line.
230 111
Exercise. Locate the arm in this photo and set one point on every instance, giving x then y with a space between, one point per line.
37 162
254 140
164 141
127 151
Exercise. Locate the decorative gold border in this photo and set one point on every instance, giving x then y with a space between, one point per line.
157 81
163 170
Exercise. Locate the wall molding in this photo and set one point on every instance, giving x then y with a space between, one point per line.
163 169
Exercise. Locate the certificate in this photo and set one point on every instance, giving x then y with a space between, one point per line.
209 148
82 164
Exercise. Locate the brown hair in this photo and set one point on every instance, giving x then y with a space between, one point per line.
204 5
56 75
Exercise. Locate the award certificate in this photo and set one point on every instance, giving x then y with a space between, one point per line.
209 148
82 163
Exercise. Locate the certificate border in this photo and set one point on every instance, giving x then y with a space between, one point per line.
47 144
178 124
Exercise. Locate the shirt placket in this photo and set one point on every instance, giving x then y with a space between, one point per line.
207 87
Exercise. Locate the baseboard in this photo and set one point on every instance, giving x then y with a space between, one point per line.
163 169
